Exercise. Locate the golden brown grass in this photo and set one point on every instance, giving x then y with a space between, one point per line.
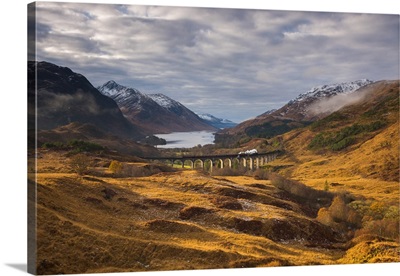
371 249
169 221
359 170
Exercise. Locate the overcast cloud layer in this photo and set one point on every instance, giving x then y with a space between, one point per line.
234 64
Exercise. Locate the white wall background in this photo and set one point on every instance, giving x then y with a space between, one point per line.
13 131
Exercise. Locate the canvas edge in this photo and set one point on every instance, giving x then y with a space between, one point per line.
31 142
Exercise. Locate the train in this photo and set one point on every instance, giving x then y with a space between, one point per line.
248 152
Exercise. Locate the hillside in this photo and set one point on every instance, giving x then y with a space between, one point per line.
353 151
360 139
64 135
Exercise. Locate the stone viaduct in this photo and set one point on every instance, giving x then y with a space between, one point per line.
253 161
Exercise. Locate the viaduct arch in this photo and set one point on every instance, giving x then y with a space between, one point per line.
253 161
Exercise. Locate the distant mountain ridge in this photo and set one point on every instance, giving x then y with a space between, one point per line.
155 113
216 122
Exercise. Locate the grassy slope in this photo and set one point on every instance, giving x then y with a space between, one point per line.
358 170
168 221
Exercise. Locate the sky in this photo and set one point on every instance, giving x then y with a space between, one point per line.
232 63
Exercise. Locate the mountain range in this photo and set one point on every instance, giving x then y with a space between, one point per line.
154 113
64 97
62 102
306 108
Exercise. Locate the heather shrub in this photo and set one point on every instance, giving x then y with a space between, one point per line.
340 216
326 186
131 170
226 171
116 167
80 163
344 137
381 219
326 218
342 213
297 188
75 146
261 174
83 146
388 228
53 145
139 171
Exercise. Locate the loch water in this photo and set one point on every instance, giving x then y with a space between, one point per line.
186 139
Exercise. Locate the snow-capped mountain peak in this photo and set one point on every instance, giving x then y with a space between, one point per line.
208 117
156 113
111 88
308 105
164 101
331 90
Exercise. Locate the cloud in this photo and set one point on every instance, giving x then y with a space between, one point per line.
212 56
51 101
332 104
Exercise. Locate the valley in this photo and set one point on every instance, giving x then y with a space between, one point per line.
328 196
